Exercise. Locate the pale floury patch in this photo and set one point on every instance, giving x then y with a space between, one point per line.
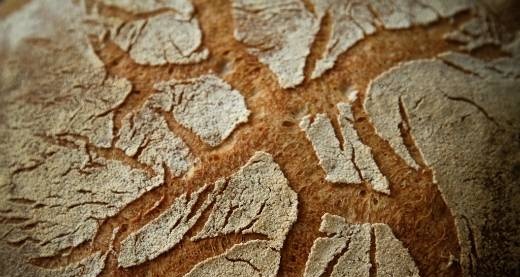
207 105
463 115
54 190
256 199
164 232
146 136
350 245
13 266
347 162
254 258
169 35
362 157
183 7
392 257
335 160
169 39
281 33
476 32
353 20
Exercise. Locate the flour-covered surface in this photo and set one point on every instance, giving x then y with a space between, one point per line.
477 32
81 123
353 20
281 34
60 201
358 250
165 32
13 266
509 65
124 34
356 261
168 38
90 266
55 191
163 233
335 159
443 7
362 158
349 161
323 252
254 258
463 113
391 256
146 136
183 7
256 199
207 105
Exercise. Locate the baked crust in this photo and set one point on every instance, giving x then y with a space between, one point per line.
419 215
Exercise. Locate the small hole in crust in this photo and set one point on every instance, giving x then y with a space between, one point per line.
287 123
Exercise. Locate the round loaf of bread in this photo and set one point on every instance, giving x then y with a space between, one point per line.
294 138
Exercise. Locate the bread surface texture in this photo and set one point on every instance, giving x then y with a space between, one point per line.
303 138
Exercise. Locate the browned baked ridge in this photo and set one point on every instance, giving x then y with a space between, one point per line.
416 211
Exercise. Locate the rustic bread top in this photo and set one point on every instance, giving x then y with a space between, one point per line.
259 138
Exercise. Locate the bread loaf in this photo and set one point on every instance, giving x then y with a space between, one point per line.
247 138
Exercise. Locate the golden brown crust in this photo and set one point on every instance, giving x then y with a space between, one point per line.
273 127
416 211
